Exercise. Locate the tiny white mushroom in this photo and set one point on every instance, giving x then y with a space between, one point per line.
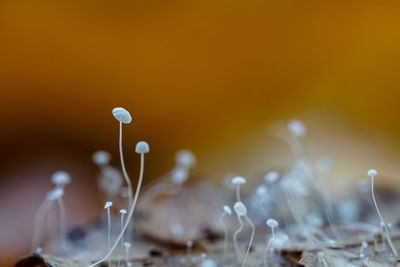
271 223
60 178
107 206
271 177
296 127
185 158
227 211
386 233
241 211
101 158
122 115
238 181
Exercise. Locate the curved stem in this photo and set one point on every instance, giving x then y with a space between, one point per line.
268 245
37 230
235 237
253 230
131 210
125 173
385 229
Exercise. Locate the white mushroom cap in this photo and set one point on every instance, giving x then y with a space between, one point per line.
227 210
372 173
179 175
240 209
55 193
238 180
142 147
297 128
61 178
123 211
185 158
101 157
272 223
108 204
122 115
271 177
261 190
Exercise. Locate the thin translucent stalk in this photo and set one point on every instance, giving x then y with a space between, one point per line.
386 232
238 193
253 230
37 231
268 245
130 214
235 237
61 207
125 173
221 220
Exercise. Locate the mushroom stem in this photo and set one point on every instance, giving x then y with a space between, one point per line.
131 210
125 173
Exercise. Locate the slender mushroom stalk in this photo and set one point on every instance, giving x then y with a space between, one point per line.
123 117
238 181
241 211
372 173
227 211
141 148
271 223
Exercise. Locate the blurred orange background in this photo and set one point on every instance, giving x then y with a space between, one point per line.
194 74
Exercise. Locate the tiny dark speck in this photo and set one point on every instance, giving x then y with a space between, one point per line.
155 253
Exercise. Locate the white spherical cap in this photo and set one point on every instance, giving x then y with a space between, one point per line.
240 209
372 173
238 180
271 177
272 223
179 175
101 157
61 178
55 193
185 158
297 128
122 211
227 210
122 115
261 190
108 204
142 147
208 263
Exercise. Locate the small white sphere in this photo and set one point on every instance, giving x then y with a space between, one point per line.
372 173
142 147
227 210
297 128
55 193
240 209
61 178
122 115
101 157
238 180
271 177
179 175
108 204
209 263
272 223
122 211
261 190
185 158
127 244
